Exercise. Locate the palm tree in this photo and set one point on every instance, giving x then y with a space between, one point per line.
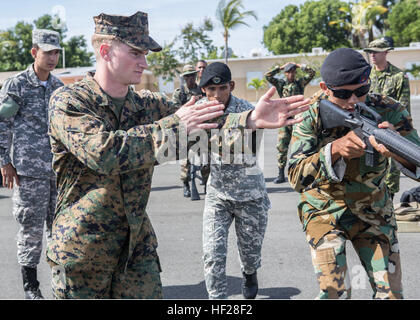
363 16
257 84
230 16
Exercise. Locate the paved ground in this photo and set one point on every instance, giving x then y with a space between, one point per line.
286 271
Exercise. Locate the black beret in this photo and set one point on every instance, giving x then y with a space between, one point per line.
215 73
345 66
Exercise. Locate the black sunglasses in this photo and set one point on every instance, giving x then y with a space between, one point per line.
345 94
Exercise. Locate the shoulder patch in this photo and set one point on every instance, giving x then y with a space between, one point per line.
8 108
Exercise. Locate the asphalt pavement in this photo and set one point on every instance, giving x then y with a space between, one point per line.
286 271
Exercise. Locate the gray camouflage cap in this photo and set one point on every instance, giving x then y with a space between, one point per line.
132 30
379 45
46 40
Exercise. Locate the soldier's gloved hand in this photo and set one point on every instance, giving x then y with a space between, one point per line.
9 173
193 116
350 146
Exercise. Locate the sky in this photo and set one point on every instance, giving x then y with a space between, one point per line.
166 17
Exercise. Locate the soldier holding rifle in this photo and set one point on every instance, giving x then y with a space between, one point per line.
341 197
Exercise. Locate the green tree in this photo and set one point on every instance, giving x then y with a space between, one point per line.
257 84
218 53
299 29
380 22
404 23
164 63
195 42
16 44
231 16
363 17
76 53
415 71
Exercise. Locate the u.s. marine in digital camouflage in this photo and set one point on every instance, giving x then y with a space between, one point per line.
347 200
104 169
286 88
391 81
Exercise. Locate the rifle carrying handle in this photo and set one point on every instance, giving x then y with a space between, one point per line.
398 145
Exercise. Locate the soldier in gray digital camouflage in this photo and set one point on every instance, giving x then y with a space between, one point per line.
341 197
387 79
286 88
24 106
181 96
236 192
106 139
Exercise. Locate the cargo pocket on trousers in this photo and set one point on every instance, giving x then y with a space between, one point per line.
324 256
330 276
58 282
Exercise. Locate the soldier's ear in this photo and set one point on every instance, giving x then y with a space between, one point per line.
34 51
104 51
323 87
232 85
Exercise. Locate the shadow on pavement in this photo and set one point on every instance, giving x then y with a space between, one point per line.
3 197
279 190
198 291
166 188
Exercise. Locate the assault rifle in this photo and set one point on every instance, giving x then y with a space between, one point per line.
364 122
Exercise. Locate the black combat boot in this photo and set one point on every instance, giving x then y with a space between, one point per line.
31 284
249 285
280 178
187 191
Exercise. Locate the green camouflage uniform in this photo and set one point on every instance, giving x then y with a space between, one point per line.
348 201
103 244
287 89
180 97
394 83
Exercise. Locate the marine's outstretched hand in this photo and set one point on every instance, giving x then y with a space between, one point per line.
275 113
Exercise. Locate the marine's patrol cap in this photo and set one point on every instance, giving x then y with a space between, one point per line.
215 73
46 40
345 66
132 30
379 45
188 69
289 67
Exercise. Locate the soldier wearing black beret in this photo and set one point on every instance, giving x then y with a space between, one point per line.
233 195
343 199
